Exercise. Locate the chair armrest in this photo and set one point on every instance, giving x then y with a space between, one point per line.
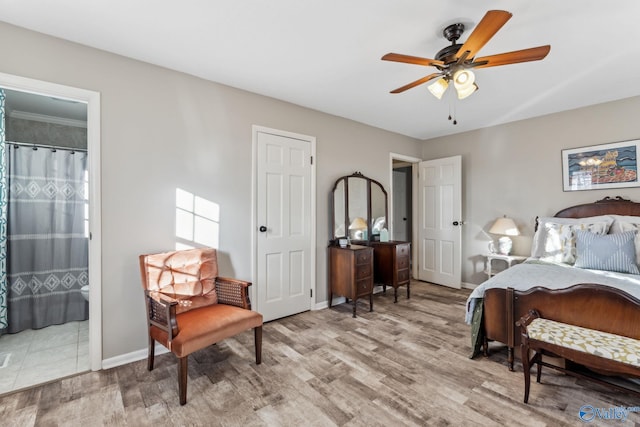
161 312
525 320
233 292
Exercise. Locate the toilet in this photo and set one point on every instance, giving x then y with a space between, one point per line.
85 292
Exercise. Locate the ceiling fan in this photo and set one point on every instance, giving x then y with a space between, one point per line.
454 62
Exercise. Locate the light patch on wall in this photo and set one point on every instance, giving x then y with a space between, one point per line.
197 221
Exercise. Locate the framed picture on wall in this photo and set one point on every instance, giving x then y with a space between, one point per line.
600 167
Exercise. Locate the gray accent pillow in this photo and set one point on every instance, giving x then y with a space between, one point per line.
610 252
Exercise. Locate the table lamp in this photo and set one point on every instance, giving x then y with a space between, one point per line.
505 227
359 224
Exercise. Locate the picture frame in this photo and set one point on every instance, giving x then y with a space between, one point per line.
601 167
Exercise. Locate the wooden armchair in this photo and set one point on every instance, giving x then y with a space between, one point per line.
189 307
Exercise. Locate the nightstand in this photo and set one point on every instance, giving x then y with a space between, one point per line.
508 259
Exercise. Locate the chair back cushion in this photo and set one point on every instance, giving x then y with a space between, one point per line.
186 275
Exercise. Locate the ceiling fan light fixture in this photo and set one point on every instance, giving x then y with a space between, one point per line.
463 79
438 87
465 92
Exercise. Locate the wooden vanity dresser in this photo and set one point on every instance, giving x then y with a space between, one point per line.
351 273
392 265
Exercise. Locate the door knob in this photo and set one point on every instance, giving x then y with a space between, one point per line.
262 229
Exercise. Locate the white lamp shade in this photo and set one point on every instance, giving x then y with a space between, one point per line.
463 79
358 224
438 87
463 93
504 226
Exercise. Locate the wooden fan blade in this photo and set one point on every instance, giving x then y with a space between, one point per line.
524 55
417 82
492 21
398 57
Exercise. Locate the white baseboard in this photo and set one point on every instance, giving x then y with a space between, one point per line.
134 356
467 285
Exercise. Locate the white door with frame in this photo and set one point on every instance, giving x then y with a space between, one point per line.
439 212
285 222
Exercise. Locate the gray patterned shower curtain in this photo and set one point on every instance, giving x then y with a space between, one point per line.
4 288
47 247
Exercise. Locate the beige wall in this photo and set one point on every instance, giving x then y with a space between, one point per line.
163 130
516 170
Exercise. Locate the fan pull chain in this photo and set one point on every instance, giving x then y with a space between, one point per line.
455 122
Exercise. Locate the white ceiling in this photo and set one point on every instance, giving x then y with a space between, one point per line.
325 54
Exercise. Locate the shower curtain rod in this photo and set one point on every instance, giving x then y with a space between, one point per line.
52 147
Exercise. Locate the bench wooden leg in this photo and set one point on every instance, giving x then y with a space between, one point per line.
526 367
510 358
538 360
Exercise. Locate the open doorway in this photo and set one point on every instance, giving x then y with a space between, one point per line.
86 335
403 201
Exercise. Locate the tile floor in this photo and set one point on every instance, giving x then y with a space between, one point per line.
38 356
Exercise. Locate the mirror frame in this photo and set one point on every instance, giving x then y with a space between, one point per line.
369 183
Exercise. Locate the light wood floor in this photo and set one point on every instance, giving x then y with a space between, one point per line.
403 364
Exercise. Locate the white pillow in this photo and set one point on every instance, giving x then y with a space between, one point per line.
628 223
539 248
619 220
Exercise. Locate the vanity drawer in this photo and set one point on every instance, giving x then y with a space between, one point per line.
363 257
402 250
363 271
403 276
364 287
402 262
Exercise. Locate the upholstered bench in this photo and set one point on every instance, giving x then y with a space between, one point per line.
604 352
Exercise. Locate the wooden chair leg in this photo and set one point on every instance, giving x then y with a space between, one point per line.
182 379
527 371
152 352
257 333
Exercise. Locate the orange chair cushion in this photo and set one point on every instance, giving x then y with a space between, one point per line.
183 275
204 326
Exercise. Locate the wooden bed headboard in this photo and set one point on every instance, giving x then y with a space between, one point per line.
606 206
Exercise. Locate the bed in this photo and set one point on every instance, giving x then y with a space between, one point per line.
560 260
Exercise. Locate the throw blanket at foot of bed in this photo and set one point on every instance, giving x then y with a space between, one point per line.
601 351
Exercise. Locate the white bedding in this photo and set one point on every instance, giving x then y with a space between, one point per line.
534 272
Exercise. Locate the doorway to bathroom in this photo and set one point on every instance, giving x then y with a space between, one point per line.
46 332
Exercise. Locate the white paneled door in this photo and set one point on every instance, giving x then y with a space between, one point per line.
439 214
284 222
